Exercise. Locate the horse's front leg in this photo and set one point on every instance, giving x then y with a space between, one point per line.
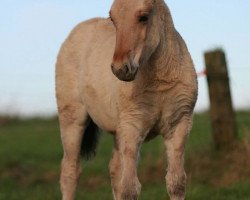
115 171
129 140
175 146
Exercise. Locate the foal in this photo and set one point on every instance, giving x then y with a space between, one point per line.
131 75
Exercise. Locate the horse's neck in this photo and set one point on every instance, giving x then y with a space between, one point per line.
165 60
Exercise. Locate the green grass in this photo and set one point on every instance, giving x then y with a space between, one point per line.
30 154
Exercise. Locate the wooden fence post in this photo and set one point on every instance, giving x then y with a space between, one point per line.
224 126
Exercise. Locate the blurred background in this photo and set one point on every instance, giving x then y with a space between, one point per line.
31 33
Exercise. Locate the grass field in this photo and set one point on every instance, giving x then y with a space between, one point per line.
30 153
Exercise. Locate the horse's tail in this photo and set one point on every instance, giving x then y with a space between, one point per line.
90 140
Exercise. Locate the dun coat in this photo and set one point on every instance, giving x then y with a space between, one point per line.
131 75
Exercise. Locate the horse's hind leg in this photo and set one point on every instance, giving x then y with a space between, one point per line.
175 145
72 119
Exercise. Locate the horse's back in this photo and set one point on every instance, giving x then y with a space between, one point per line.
83 70
84 36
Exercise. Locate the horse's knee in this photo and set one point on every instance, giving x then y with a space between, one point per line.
113 171
130 189
176 185
114 165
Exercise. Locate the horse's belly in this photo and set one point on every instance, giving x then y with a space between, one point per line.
100 105
101 111
102 118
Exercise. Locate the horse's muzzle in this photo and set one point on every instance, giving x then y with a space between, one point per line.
125 73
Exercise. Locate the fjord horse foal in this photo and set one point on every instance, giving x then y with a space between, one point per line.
130 75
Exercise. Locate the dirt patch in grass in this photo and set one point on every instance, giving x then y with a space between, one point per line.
27 175
153 171
4 120
214 168
93 182
220 168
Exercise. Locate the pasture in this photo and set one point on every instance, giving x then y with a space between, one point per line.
30 154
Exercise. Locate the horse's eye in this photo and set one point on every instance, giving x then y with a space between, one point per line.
143 18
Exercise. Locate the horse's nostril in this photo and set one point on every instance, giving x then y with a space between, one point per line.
126 69
124 72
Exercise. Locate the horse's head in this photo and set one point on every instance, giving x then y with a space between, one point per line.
136 36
